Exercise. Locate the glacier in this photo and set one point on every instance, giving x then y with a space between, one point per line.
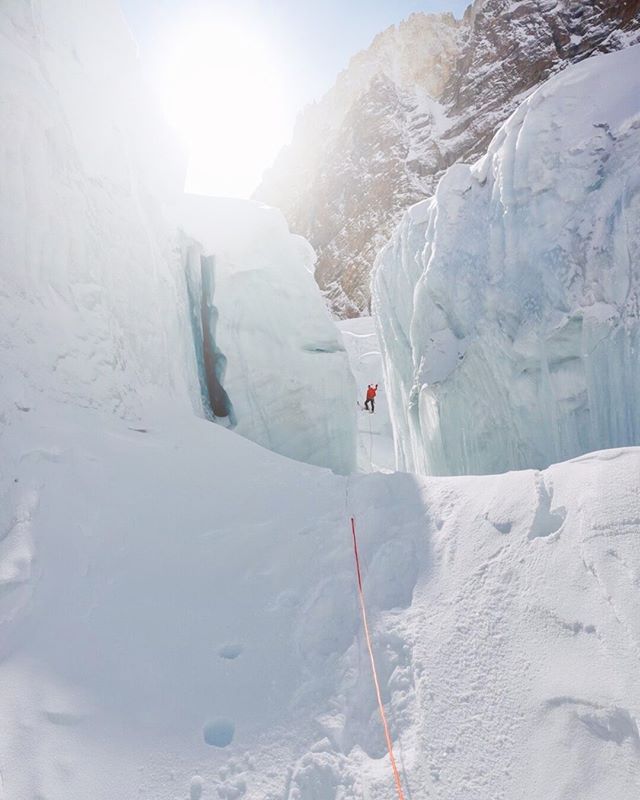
97 284
92 296
178 604
508 304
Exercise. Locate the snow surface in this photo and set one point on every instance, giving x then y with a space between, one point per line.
375 435
179 619
287 374
508 305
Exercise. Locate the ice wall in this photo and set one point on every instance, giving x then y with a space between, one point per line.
508 305
93 306
286 373
97 305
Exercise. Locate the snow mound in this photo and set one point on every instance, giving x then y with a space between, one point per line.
509 304
286 374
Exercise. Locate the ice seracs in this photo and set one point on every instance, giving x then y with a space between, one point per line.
285 374
509 304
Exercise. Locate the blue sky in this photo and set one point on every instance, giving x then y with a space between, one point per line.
316 38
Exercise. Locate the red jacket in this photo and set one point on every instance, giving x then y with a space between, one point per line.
371 392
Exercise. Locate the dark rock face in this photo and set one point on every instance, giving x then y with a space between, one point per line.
510 48
427 93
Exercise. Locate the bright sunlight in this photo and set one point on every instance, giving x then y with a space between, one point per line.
224 91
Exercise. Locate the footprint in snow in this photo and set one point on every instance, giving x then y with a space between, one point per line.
196 787
546 521
218 732
230 651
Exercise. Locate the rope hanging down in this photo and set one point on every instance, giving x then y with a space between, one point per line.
396 774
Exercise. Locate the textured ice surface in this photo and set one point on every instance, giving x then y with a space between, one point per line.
508 305
286 372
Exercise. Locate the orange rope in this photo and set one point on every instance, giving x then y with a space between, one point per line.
396 774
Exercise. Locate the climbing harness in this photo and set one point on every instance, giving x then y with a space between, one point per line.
396 774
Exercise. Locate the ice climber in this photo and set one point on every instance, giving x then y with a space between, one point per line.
371 398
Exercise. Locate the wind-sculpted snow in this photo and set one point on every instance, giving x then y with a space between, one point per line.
509 304
286 372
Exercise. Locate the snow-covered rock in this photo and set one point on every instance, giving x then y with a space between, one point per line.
285 372
95 306
428 92
509 304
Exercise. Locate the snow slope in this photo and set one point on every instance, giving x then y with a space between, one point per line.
375 435
179 619
286 371
508 306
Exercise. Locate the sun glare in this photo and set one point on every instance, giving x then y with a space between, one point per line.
223 90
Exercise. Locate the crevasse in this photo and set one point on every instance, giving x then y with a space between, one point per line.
211 361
